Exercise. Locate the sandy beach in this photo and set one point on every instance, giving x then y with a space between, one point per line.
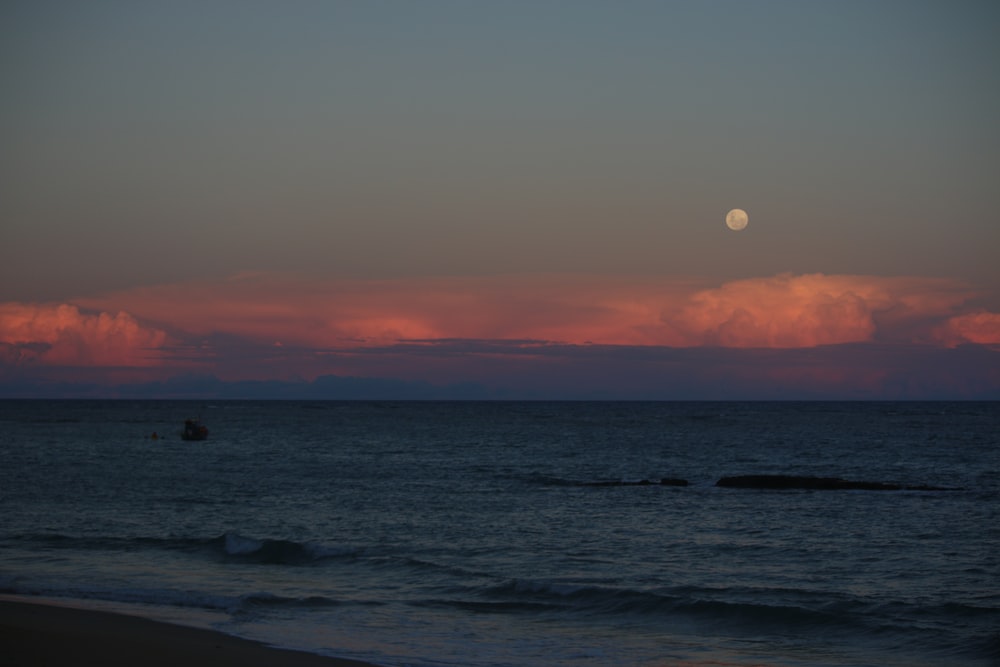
42 634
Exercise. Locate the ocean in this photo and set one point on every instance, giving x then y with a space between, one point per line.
489 534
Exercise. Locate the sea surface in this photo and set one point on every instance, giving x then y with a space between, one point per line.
515 533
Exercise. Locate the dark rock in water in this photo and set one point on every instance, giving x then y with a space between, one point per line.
666 481
787 482
819 483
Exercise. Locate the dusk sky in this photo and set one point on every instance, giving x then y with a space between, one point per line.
501 199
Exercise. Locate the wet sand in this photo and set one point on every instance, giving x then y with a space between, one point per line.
41 634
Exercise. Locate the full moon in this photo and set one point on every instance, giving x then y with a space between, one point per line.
737 219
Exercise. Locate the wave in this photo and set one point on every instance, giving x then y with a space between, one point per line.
270 600
595 599
693 603
733 612
237 549
722 611
230 546
147 596
249 603
279 552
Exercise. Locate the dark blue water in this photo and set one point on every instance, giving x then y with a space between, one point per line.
433 534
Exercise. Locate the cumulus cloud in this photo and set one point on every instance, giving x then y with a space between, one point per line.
60 334
788 311
980 327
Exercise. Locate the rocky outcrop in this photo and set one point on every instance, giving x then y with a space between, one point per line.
817 483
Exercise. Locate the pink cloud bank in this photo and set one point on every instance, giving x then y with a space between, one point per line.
63 335
268 324
789 311
783 311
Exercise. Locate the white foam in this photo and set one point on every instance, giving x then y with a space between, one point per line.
237 545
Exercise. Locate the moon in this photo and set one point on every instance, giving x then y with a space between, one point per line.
737 219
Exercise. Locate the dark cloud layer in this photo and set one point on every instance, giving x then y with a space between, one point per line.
479 370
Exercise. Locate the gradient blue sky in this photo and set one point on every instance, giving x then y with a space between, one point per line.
152 145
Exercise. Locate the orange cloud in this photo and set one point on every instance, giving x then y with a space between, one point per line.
981 327
788 311
329 313
62 335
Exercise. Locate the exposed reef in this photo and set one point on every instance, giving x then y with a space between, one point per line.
817 483
665 481
778 482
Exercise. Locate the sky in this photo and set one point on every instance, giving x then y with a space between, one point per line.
500 200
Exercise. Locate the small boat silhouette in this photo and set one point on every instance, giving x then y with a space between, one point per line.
194 430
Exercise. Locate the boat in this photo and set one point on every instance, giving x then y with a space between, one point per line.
194 430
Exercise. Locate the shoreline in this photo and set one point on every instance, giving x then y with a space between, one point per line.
36 633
